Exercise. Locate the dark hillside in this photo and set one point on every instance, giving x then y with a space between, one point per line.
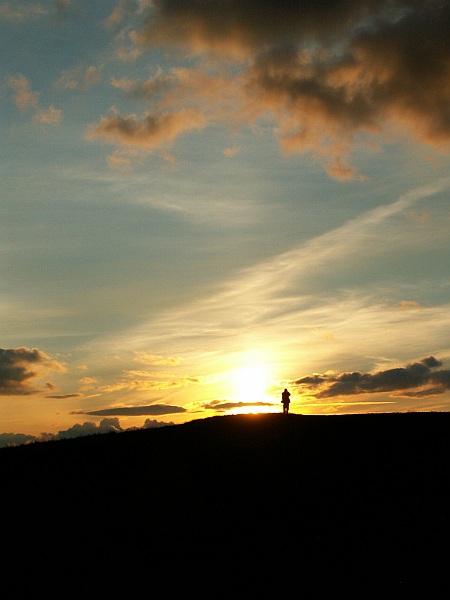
241 505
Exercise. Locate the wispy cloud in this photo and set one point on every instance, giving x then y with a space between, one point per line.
79 78
21 11
145 358
269 289
271 306
25 11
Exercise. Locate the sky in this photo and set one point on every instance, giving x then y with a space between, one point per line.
205 202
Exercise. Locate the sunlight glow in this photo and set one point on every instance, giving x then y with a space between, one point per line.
250 383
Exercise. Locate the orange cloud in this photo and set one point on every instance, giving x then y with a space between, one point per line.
20 366
410 305
231 151
327 77
150 132
50 116
79 78
144 358
24 97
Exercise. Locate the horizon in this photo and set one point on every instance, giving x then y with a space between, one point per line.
198 212
112 426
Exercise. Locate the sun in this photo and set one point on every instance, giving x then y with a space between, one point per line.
250 383
252 386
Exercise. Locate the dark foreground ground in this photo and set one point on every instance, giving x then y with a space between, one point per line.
264 506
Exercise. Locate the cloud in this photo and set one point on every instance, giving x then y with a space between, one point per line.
108 425
270 281
153 423
279 304
410 305
16 11
149 132
231 151
239 28
64 396
417 379
137 411
124 8
139 381
50 116
25 11
145 358
222 406
19 366
418 217
25 99
79 78
394 72
330 75
80 430
15 439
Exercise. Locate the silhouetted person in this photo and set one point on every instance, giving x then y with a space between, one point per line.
285 399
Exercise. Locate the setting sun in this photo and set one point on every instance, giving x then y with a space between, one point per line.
250 386
250 383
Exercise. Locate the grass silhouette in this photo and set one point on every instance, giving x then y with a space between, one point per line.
240 506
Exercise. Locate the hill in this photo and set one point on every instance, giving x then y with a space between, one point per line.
240 505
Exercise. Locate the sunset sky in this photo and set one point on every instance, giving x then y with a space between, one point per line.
205 202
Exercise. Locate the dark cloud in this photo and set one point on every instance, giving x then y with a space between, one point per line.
234 25
417 379
431 362
80 430
149 132
392 72
153 424
19 366
77 430
15 439
327 72
63 396
222 405
136 411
